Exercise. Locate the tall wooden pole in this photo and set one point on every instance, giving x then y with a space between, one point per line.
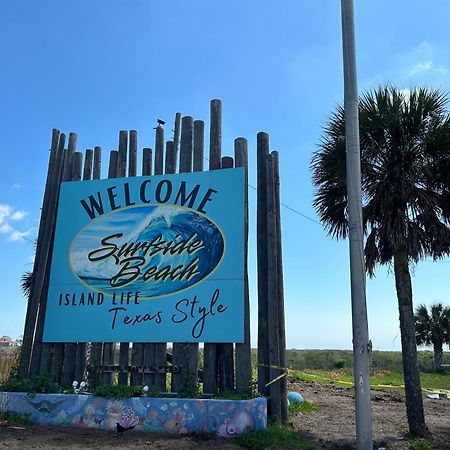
262 149
185 354
354 204
33 304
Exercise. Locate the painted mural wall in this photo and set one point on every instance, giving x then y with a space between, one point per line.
226 418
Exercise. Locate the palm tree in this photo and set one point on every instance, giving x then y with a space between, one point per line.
405 170
433 329
26 281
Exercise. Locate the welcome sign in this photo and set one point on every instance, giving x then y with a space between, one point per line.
149 259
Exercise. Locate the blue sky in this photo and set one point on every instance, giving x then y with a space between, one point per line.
97 67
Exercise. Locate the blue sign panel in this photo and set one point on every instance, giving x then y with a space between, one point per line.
149 259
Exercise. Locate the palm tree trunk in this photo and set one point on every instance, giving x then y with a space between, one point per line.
413 391
437 349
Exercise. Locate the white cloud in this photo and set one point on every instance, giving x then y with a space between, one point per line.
427 66
18 215
10 214
16 186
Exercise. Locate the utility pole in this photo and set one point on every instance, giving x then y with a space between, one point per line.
361 345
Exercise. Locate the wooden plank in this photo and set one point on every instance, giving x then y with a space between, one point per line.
159 150
243 350
272 300
280 289
225 350
32 307
40 282
199 143
108 347
132 157
185 354
215 155
262 149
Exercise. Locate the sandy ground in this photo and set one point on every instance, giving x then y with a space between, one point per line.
332 426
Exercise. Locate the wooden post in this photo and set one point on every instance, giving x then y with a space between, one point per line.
108 348
97 163
70 349
122 157
137 352
122 172
33 302
176 138
148 357
171 162
187 144
215 154
87 169
80 358
40 283
280 290
69 155
147 161
57 360
199 140
159 151
272 297
185 354
262 148
96 351
225 350
243 350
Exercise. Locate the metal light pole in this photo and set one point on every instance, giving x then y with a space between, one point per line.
354 207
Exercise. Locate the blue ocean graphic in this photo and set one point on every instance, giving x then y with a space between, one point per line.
141 225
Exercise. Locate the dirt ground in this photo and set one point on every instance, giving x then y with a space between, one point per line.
332 426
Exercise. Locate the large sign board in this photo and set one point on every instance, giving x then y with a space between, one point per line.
149 259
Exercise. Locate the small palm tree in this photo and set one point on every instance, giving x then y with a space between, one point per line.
26 281
405 171
432 328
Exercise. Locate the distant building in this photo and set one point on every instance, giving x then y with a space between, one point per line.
6 341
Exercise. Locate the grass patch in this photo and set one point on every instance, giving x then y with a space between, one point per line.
419 444
275 437
304 407
382 379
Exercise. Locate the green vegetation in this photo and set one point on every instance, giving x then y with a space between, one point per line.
275 437
343 359
404 141
419 444
433 328
16 419
304 407
379 380
42 385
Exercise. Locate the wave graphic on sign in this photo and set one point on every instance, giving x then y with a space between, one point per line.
153 250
